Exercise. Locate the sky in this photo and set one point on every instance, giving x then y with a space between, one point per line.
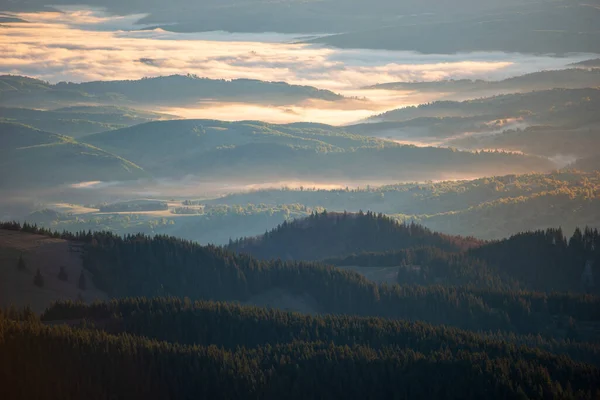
76 44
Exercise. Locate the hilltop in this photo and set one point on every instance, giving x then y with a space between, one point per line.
328 235
168 91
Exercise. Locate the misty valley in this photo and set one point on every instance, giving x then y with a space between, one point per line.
300 199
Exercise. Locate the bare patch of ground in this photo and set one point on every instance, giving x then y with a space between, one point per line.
47 254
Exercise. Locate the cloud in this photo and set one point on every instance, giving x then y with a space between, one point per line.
85 44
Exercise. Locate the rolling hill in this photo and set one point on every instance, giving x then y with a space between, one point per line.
574 78
547 105
79 121
48 255
327 235
138 265
167 91
241 150
34 158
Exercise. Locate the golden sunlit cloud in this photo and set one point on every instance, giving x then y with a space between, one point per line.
85 44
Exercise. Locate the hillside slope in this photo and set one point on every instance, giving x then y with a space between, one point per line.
48 255
30 157
573 78
241 150
327 235
79 121
168 91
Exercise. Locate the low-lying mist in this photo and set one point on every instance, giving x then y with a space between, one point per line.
80 44
22 202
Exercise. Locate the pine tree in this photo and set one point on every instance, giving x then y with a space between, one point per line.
21 264
63 275
38 280
82 283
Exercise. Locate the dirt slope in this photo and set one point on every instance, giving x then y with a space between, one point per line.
47 254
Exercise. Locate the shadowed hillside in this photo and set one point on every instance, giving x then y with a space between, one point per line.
326 235
243 150
174 90
30 157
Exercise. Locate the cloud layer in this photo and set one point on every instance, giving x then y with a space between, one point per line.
83 45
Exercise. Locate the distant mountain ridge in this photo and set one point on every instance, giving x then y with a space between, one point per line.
30 157
173 90
243 149
548 103
573 78
79 121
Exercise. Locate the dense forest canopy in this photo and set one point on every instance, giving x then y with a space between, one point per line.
300 199
71 362
142 266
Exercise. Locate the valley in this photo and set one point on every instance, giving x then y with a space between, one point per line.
331 199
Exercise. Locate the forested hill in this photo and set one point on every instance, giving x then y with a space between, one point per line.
543 261
384 359
30 157
19 91
142 266
325 235
242 150
184 89
231 325
79 121
574 78
548 105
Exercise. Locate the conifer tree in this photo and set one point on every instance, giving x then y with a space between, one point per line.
21 264
63 275
38 280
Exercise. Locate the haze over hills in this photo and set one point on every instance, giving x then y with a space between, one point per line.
328 199
172 91
510 105
574 78
558 123
595 63
30 158
78 121
243 149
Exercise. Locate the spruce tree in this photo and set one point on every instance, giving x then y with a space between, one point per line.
38 280
63 275
21 264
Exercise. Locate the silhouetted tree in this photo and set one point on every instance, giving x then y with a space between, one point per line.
63 275
38 280
21 264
